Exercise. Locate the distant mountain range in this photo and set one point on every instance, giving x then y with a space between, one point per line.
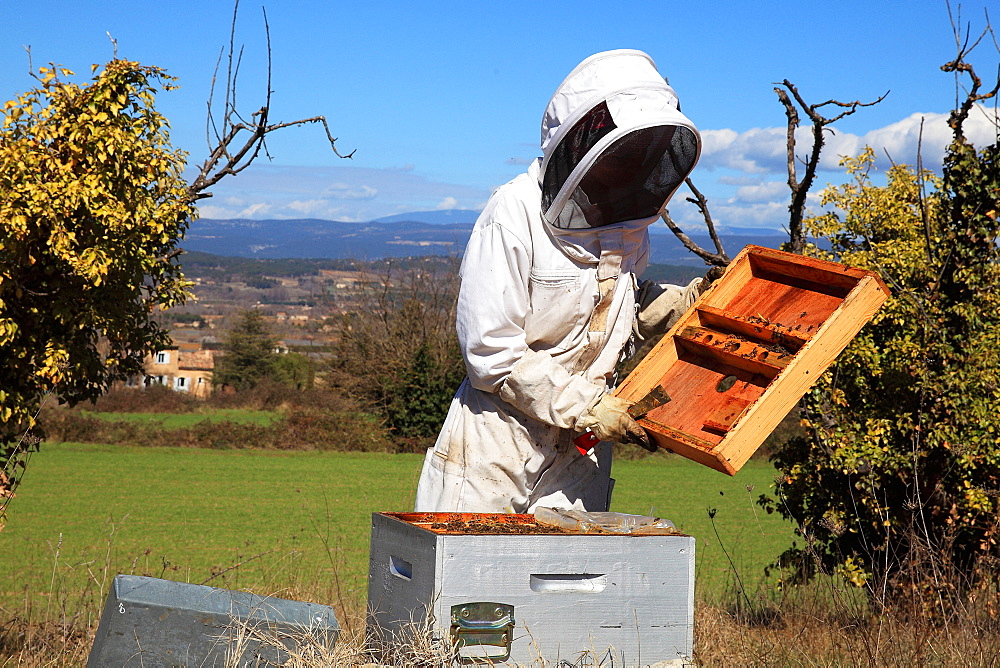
401 235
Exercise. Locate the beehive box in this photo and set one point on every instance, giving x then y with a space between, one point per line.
747 350
153 622
506 592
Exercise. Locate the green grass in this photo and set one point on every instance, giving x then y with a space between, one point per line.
683 492
86 512
186 420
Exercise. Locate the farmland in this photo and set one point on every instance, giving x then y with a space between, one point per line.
295 523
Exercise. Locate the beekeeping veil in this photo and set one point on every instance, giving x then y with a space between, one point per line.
615 145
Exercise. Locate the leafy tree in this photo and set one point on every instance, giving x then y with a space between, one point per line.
897 483
92 205
248 353
420 397
294 370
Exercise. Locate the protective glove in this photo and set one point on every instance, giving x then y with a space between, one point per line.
610 421
711 276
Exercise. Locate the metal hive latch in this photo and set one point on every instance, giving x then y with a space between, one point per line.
482 626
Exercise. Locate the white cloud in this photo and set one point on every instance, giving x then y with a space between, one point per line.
258 210
309 207
755 151
349 194
732 213
213 211
762 150
739 180
762 192
347 191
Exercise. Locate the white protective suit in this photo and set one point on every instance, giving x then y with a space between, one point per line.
548 296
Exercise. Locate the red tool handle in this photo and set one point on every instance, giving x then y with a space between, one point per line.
586 441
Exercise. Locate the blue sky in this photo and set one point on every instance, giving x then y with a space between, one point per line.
443 100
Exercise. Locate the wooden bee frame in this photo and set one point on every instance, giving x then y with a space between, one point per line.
747 350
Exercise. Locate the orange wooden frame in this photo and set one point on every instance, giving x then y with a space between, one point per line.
748 349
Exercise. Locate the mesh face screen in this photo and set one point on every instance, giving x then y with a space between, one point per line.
632 179
577 142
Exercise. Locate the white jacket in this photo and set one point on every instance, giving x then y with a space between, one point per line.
544 317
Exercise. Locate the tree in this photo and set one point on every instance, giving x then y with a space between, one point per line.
92 204
799 187
896 486
248 353
93 207
295 370
399 350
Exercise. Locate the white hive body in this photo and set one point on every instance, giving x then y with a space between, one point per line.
528 598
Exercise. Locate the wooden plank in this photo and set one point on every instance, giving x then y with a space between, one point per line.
722 418
695 381
736 351
812 270
757 329
688 446
809 364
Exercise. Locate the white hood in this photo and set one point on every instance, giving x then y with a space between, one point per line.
613 102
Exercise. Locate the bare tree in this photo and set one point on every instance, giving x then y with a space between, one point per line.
236 141
800 188
961 111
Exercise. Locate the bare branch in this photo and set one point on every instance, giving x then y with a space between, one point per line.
210 127
31 66
959 65
793 123
699 200
114 45
922 197
819 122
719 259
238 141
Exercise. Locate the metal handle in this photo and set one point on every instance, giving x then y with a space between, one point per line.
482 625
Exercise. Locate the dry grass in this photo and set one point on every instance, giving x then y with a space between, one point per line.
806 632
799 638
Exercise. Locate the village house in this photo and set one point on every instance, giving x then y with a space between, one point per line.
182 368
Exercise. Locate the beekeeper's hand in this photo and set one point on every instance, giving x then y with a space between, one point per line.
610 421
711 276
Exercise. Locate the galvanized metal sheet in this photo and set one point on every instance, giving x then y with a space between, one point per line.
153 622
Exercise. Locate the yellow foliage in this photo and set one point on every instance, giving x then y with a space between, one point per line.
92 206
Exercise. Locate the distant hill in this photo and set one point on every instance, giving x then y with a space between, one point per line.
397 236
438 217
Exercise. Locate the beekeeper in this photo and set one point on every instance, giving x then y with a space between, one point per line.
550 302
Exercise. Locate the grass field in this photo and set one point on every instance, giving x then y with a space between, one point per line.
293 524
